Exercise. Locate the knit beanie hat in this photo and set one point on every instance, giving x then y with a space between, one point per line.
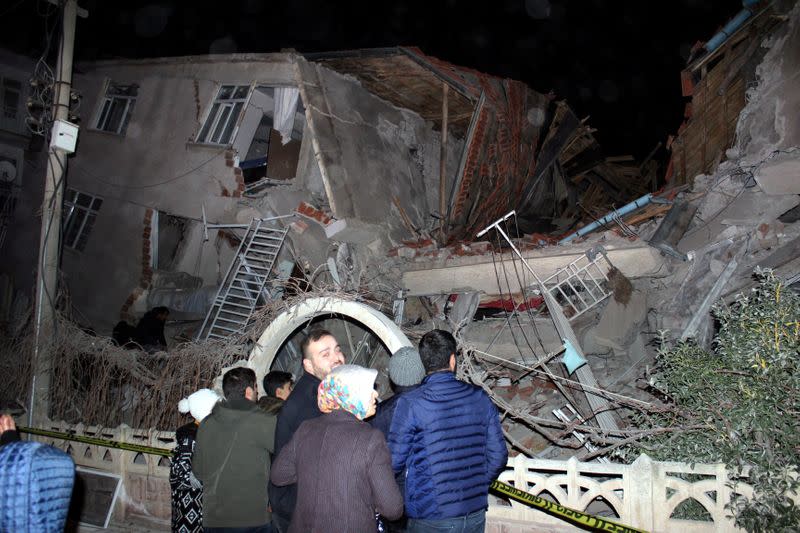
405 367
199 403
347 387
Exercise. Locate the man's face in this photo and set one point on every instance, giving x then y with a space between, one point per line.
323 355
284 390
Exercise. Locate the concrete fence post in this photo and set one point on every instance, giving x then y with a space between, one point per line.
638 480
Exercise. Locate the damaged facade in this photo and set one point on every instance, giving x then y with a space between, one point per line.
382 166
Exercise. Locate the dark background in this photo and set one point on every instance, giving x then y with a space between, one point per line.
618 62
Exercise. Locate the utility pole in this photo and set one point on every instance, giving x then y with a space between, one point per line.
50 241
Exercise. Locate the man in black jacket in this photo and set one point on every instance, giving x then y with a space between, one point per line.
321 354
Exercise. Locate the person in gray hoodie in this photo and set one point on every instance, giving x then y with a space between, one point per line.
232 458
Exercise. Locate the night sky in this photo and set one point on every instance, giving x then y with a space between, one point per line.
618 62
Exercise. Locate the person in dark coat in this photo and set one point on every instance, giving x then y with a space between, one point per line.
187 490
277 388
447 440
405 372
321 354
232 458
150 330
340 464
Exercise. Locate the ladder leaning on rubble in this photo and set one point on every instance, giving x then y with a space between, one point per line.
245 281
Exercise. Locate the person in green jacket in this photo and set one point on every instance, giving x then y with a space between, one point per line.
232 458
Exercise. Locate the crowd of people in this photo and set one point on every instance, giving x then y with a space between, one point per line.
322 455
319 455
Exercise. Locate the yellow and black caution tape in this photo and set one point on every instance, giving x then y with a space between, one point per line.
572 516
97 441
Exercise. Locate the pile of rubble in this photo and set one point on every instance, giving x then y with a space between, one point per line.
667 259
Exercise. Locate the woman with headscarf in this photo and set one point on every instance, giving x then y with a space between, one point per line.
341 465
187 490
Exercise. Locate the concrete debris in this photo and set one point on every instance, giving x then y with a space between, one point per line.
780 175
749 207
362 208
619 322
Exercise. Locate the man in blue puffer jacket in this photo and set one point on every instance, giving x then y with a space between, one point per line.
446 438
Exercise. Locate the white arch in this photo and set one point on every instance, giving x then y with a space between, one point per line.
270 341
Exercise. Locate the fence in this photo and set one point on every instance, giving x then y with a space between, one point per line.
145 494
646 494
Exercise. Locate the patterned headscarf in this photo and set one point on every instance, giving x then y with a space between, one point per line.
347 387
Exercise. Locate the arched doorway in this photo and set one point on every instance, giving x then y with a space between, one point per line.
288 322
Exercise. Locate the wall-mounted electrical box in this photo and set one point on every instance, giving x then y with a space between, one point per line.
64 136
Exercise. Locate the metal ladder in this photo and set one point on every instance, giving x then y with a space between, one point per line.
244 283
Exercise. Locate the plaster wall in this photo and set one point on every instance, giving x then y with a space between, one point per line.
155 164
102 276
18 145
769 120
373 151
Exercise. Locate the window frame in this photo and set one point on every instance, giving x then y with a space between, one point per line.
6 86
70 208
16 124
105 106
209 130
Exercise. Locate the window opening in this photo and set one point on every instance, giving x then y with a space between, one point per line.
116 108
169 235
269 160
224 115
12 91
80 212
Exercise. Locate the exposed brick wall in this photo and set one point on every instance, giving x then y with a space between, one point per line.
230 161
146 277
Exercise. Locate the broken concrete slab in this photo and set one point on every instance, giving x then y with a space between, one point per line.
446 276
497 337
780 175
464 307
352 231
750 208
619 323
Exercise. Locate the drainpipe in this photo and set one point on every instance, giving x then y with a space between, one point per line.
734 24
622 211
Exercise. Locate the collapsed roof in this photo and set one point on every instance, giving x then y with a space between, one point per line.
523 150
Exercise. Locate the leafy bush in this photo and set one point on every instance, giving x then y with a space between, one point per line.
738 403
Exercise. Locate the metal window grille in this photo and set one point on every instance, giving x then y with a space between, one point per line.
224 115
583 283
115 111
79 214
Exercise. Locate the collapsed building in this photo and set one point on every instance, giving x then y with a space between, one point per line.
215 185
